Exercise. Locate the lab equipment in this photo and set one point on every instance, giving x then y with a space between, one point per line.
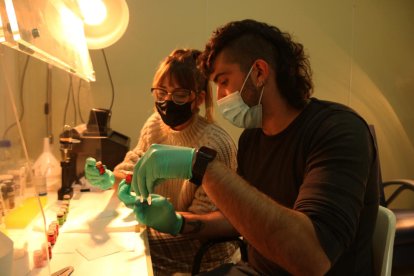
7 191
38 260
5 155
6 255
100 167
47 170
128 178
96 140
67 139
64 271
99 141
47 250
10 195
51 237
21 265
66 198
48 30
60 218
39 183
19 179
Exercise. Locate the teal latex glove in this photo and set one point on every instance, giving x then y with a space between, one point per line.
103 181
124 194
161 162
160 215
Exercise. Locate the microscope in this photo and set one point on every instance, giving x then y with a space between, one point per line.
67 139
95 139
100 141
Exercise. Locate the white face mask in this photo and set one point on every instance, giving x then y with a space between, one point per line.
235 110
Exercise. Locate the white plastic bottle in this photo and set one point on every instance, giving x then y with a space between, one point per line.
47 170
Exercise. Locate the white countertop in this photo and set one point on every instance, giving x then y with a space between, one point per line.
99 237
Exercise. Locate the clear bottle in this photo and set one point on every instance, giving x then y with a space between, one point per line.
47 170
2 209
5 156
11 195
4 199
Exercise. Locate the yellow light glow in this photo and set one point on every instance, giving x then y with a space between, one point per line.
112 28
12 19
2 35
94 12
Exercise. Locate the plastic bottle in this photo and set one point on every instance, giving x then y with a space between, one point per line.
47 170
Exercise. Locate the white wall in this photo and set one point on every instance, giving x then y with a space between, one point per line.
360 51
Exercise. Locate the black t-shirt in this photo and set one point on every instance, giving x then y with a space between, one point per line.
325 165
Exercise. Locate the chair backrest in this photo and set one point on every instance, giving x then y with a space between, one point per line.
383 241
381 188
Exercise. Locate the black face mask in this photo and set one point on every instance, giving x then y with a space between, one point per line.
173 114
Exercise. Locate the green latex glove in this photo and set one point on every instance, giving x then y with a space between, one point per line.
124 194
103 181
160 215
161 162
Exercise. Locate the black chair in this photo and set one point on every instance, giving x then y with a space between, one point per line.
403 258
198 258
403 255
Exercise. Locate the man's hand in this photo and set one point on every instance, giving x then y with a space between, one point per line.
161 162
104 179
160 215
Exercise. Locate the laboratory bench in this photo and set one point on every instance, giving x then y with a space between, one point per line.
99 237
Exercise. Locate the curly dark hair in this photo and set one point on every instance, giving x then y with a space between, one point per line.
248 40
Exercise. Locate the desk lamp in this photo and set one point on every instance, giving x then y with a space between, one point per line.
105 21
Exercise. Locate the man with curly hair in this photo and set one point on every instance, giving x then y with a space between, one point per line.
305 195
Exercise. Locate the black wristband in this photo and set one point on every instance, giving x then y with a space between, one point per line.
203 156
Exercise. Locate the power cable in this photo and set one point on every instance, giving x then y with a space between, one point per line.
21 98
78 100
67 100
74 103
110 79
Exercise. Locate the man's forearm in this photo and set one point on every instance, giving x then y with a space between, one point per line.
285 236
207 226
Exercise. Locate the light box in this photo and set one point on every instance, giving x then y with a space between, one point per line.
48 30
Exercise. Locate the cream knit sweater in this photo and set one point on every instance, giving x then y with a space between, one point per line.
184 195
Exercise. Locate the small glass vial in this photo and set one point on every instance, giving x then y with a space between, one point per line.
128 178
55 225
38 259
52 229
2 212
65 205
66 197
51 237
65 213
100 167
60 218
4 180
47 250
